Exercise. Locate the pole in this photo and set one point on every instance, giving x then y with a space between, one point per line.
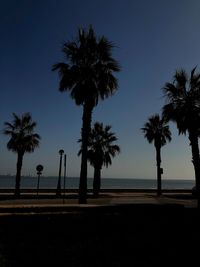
65 159
38 183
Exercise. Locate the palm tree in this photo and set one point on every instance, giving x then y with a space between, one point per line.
88 76
22 140
157 131
58 191
101 150
183 108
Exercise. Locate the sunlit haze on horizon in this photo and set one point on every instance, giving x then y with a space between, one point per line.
152 39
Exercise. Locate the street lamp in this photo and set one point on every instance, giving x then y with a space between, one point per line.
39 169
65 160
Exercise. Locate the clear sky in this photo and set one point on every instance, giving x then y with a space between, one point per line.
153 39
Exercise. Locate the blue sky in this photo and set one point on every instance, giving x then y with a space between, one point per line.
152 38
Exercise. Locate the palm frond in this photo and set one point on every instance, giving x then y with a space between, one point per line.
180 78
89 69
156 130
21 132
102 147
183 101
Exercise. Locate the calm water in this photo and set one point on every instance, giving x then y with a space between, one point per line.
109 183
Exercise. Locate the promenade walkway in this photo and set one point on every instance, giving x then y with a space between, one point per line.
49 203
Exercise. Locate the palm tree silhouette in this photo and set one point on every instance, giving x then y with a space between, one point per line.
156 130
101 150
183 108
88 76
22 140
58 191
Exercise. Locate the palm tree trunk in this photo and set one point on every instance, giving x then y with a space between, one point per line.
196 162
18 174
97 181
87 117
158 162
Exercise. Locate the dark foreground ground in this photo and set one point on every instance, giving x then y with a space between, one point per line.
118 235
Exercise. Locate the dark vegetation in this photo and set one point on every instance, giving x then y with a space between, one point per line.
157 131
23 140
88 76
101 149
183 108
128 235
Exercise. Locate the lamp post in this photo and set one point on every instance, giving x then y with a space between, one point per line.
58 191
39 169
65 160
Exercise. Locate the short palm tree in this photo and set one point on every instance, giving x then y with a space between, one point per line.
22 140
157 131
183 108
88 76
102 149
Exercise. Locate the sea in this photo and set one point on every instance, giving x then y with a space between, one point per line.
50 182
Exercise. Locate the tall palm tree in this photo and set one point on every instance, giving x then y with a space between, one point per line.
22 140
183 108
101 151
157 131
58 191
88 76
